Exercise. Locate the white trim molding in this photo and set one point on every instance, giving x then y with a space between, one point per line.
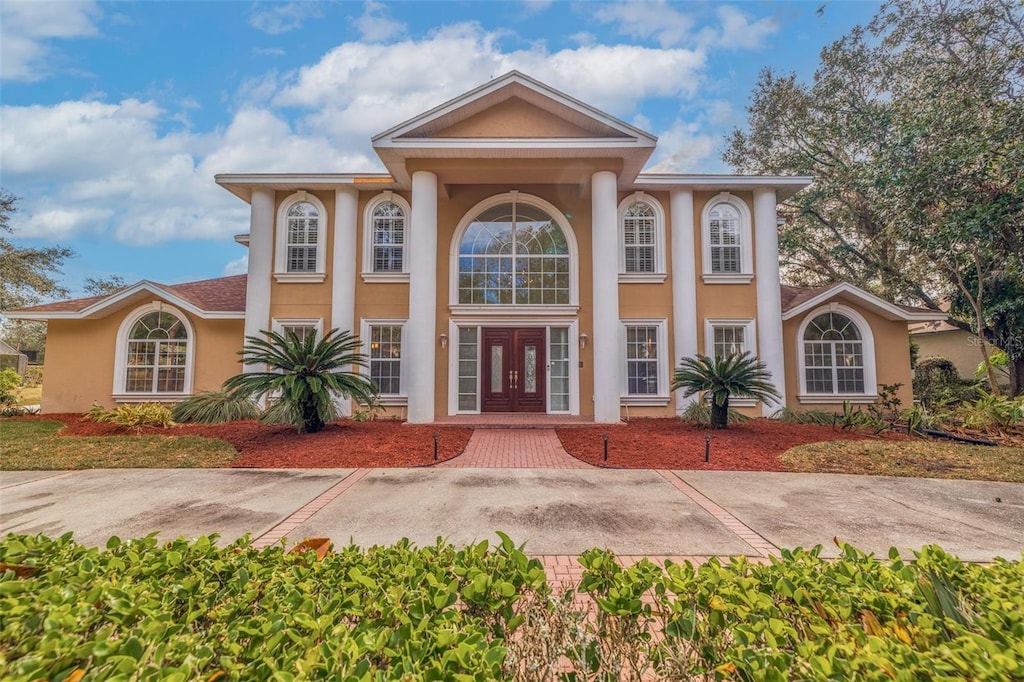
281 272
660 272
664 395
746 273
365 338
884 308
512 308
119 391
367 272
868 349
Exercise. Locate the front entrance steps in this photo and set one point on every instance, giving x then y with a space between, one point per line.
515 420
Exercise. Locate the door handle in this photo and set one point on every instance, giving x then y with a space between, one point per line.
511 384
517 379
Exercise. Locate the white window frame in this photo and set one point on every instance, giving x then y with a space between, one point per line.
281 273
368 273
119 392
660 271
279 323
746 274
868 348
664 354
513 309
390 399
749 344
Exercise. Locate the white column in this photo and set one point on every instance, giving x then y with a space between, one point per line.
608 360
684 285
343 272
420 339
769 297
261 259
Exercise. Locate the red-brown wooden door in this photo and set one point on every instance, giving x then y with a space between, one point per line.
514 370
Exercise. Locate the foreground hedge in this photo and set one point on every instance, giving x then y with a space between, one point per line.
191 610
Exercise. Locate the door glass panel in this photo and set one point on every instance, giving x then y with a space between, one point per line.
468 351
531 369
559 369
497 369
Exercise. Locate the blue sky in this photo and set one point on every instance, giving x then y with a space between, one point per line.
116 116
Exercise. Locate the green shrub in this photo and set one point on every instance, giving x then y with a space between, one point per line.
699 412
33 376
10 381
132 415
789 415
990 411
215 407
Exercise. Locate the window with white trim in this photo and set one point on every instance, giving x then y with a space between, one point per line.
388 234
301 235
833 354
385 357
727 241
157 354
641 239
723 337
302 328
645 351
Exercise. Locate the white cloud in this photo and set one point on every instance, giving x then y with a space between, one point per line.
358 89
686 147
27 30
647 20
376 25
281 18
737 31
239 266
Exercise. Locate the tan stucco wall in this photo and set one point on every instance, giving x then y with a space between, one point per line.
514 118
892 356
80 358
961 348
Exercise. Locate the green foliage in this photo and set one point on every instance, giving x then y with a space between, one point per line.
190 610
27 275
999 361
990 411
369 410
933 378
304 377
33 376
739 375
699 412
10 381
214 407
132 415
789 415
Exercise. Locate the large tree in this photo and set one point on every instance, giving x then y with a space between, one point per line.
27 275
912 129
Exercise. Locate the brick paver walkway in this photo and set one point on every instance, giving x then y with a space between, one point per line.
515 449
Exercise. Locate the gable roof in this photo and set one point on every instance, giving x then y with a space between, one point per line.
219 298
422 136
799 300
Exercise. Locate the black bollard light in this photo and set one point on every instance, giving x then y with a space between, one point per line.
436 436
605 437
707 447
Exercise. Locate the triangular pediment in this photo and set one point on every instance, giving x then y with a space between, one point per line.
517 118
514 106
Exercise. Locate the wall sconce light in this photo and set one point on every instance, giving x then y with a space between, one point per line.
444 340
583 341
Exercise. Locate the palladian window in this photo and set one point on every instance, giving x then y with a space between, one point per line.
513 254
157 354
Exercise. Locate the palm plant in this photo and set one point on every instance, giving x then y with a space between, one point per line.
303 376
738 374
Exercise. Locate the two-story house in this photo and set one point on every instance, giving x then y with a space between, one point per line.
513 257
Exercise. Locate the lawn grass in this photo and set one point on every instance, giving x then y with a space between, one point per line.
32 395
35 445
912 458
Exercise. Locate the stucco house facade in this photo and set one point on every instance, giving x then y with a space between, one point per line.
513 257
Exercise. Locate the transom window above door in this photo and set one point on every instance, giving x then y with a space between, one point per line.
514 253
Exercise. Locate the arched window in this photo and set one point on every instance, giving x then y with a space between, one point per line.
833 354
638 237
513 253
157 356
726 235
385 235
301 239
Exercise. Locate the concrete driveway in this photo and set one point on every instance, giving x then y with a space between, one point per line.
563 512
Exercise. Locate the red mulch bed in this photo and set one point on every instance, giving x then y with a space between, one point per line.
674 444
344 444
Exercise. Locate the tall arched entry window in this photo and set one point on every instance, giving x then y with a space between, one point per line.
514 253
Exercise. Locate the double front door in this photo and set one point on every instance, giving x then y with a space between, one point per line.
513 369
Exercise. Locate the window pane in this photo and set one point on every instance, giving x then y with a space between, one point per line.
558 374
728 340
468 351
386 358
303 237
388 237
641 360
302 331
139 380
